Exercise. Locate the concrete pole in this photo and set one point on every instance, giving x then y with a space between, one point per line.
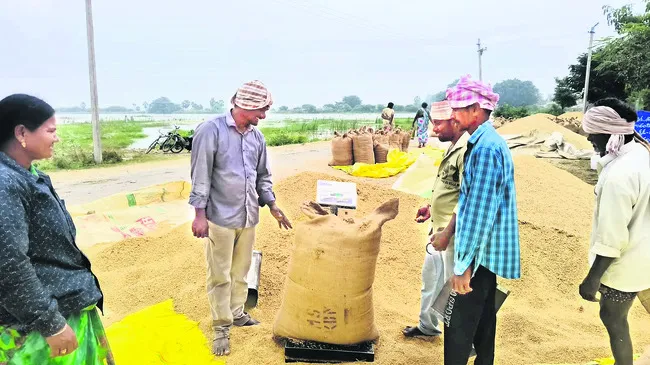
480 63
97 142
591 42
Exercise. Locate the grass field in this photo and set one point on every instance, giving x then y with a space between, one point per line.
75 150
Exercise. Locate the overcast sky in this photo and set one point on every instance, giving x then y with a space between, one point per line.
312 51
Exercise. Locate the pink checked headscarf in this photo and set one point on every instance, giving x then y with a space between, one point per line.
605 120
469 92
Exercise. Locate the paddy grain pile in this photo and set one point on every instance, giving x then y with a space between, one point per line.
544 125
543 321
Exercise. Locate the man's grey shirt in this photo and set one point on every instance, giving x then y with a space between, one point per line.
231 177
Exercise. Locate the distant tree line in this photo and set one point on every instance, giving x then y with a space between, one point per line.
162 105
514 94
349 104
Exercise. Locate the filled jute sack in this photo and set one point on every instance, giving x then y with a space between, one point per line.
363 148
381 137
342 150
406 139
395 140
381 152
328 289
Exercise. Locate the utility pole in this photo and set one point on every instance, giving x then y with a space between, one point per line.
480 54
97 141
591 42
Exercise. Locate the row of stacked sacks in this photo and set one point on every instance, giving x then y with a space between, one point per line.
366 145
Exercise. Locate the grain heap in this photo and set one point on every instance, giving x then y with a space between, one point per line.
543 124
543 321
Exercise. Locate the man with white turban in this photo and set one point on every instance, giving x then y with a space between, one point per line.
620 238
231 180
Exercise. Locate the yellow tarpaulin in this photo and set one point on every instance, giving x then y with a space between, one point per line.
149 211
420 177
158 335
397 162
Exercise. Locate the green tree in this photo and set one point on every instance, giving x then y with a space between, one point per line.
163 105
629 54
309 108
329 108
145 106
217 106
341 107
197 107
364 108
82 106
417 101
283 109
515 92
186 104
565 96
604 79
352 100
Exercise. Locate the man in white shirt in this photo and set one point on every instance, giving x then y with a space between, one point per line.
620 240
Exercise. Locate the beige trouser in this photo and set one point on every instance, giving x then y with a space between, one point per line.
228 256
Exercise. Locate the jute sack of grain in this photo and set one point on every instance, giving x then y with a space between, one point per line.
406 139
381 152
342 150
328 290
395 140
363 148
381 137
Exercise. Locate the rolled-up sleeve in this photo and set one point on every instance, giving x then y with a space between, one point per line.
615 206
204 148
264 183
23 295
478 208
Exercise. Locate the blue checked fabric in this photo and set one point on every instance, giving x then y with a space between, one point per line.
487 230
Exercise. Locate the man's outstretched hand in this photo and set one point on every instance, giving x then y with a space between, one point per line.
283 221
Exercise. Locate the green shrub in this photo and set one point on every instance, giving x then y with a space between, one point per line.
511 112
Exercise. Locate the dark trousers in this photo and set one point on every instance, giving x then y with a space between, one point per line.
473 321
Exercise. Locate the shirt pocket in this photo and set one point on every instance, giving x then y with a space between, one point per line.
450 175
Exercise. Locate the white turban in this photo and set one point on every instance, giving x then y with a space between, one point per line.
605 120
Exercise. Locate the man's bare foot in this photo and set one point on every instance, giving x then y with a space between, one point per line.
415 332
221 345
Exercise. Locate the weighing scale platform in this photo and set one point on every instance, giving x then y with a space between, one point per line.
317 352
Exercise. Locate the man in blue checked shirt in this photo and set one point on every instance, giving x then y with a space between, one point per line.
487 232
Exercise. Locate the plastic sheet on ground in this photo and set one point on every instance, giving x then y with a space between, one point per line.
398 161
419 177
555 147
551 146
159 335
149 211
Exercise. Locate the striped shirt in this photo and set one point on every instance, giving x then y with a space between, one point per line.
487 230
